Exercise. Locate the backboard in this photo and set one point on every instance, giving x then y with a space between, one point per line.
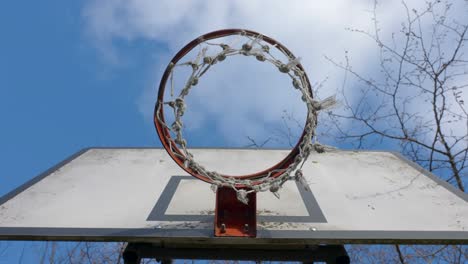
141 195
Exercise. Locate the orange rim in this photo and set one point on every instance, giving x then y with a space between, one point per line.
164 134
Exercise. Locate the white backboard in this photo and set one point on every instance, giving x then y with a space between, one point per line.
141 195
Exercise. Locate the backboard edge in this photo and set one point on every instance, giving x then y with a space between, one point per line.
437 179
205 236
8 196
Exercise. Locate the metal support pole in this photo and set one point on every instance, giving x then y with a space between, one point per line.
331 254
131 254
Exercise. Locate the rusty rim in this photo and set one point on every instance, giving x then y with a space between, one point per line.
164 134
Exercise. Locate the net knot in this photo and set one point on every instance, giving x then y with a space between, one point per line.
179 102
260 57
324 104
274 188
221 56
194 65
208 60
319 148
285 68
177 125
246 47
298 175
179 105
242 196
194 81
296 83
180 141
171 104
305 149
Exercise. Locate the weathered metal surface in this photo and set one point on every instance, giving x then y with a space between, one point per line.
234 218
141 195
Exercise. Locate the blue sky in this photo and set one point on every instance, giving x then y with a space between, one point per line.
57 94
75 74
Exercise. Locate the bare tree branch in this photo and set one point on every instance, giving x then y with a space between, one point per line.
415 101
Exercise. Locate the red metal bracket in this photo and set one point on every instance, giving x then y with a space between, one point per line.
234 218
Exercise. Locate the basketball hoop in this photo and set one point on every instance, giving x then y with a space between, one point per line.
258 47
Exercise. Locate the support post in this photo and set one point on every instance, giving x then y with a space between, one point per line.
331 254
131 254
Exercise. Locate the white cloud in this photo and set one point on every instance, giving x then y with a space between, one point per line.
311 29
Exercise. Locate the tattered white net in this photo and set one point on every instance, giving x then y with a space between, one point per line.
256 48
